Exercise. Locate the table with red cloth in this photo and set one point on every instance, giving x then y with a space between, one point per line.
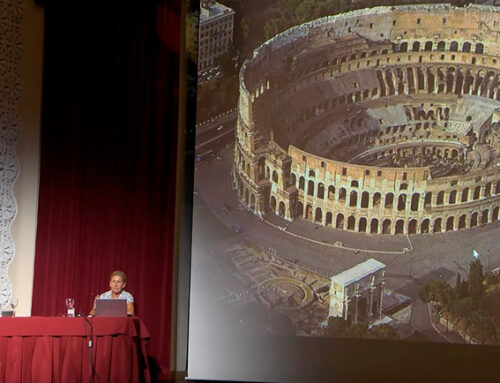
56 350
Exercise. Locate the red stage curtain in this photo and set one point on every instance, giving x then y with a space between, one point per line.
108 158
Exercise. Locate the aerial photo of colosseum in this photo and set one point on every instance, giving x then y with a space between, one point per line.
379 121
356 132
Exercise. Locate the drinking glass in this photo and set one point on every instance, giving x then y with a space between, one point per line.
70 305
13 304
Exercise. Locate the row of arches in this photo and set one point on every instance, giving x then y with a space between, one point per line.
330 67
434 80
411 80
400 202
440 46
246 195
415 46
398 225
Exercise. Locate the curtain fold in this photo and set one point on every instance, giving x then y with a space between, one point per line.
108 158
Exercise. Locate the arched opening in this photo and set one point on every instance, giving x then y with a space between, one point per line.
428 199
362 225
416 46
275 176
465 195
282 209
402 202
365 198
386 226
437 225
376 199
412 227
415 198
301 183
440 198
310 188
473 220
389 200
318 217
450 223
453 197
273 203
487 189
479 48
374 226
428 46
497 187
453 46
252 202
441 46
353 198
459 82
462 221
495 214
329 218
293 179
351 222
403 47
247 197
309 212
331 192
342 194
321 191
477 192
399 226
424 226
484 216
300 210
466 47
430 82
340 221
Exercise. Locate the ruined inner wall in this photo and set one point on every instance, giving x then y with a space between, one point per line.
378 121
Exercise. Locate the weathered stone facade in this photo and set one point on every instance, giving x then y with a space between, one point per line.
382 121
356 294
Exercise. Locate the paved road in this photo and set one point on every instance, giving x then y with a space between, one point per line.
432 256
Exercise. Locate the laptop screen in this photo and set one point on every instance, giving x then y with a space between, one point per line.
110 307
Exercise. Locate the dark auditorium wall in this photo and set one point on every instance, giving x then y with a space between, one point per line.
108 158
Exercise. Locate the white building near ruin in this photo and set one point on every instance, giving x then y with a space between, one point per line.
215 32
356 294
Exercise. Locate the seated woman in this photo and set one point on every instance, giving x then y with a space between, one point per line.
117 283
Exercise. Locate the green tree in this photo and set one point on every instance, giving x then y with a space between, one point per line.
481 327
305 11
460 308
438 291
383 331
337 327
476 278
461 287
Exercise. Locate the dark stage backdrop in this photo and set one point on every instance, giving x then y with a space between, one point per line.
107 179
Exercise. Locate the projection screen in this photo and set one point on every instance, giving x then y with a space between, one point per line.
346 191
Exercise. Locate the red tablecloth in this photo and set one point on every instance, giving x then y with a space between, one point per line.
53 350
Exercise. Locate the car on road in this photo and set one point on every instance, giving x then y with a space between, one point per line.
237 228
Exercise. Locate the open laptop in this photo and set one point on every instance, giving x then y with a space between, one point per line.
110 307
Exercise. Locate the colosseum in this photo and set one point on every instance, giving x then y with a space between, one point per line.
381 121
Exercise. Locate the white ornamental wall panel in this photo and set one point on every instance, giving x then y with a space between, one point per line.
11 15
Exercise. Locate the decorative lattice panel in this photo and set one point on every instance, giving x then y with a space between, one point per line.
11 14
